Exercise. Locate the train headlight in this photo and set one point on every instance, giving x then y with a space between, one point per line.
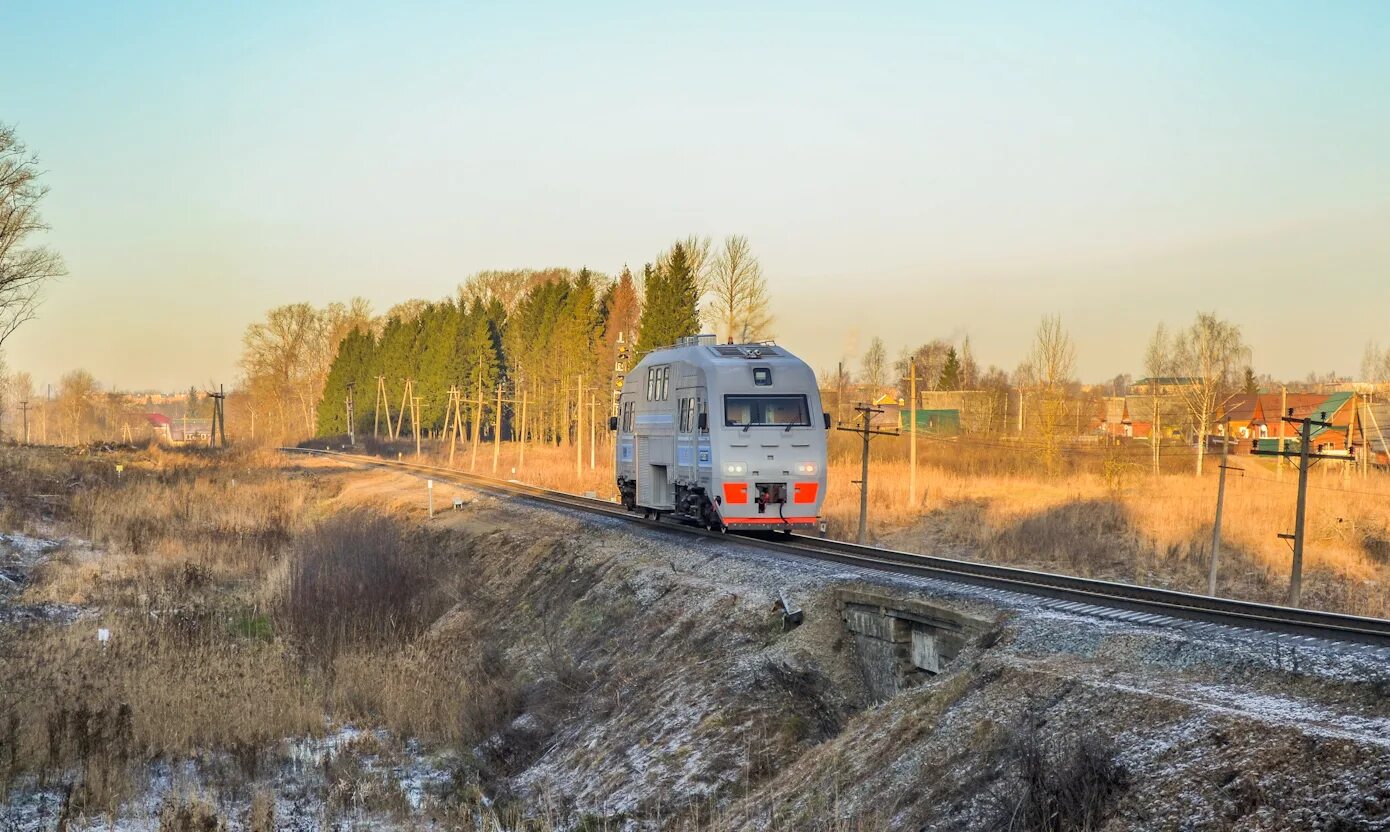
806 468
736 468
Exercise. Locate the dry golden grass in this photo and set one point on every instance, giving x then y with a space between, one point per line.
1107 516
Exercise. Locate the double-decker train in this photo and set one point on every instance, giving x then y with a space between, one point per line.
729 436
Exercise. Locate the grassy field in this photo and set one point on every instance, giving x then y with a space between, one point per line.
1105 516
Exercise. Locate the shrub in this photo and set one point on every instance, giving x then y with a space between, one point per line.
1067 787
355 580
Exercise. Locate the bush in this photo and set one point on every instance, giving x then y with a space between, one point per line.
355 580
1068 787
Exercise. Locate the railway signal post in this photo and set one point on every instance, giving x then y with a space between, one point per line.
1305 459
865 430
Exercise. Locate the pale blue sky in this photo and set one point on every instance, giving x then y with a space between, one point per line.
910 170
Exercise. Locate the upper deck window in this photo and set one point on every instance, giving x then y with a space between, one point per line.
658 383
755 411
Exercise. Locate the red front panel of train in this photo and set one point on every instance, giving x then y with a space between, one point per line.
805 492
736 493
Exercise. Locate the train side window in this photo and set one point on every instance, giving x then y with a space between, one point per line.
685 417
702 419
651 383
627 417
663 376
762 376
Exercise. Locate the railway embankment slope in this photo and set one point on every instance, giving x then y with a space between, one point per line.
680 690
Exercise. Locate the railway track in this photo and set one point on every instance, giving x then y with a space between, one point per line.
1125 602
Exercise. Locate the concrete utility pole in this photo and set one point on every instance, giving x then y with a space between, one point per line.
1220 500
381 399
497 432
24 408
351 421
579 426
1284 411
415 421
521 435
1305 459
912 432
866 414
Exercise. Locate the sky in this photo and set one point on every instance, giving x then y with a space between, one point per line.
907 171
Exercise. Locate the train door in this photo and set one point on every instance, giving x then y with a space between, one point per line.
687 431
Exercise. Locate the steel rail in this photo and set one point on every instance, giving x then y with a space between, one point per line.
1086 591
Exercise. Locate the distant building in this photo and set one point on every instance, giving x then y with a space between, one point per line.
160 427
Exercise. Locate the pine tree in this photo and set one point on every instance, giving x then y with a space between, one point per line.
950 371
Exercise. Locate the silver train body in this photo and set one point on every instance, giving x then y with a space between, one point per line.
729 436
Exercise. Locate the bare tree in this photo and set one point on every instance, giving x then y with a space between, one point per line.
1158 362
24 268
875 365
1207 357
930 359
77 394
280 361
1375 365
738 309
1049 369
969 369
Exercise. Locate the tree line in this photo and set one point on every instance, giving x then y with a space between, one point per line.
550 337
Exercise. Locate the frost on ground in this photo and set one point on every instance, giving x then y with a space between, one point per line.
644 680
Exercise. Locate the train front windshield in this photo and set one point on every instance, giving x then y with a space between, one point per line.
755 411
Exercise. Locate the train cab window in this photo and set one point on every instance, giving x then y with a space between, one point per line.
687 409
702 415
754 411
762 376
627 417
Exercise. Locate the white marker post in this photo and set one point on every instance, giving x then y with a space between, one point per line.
430 485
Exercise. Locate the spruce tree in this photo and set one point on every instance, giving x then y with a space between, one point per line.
950 371
672 309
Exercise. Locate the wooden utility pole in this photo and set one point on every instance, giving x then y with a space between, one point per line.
1220 500
865 430
1305 459
593 454
219 419
912 432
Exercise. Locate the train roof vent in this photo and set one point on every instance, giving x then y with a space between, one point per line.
753 351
